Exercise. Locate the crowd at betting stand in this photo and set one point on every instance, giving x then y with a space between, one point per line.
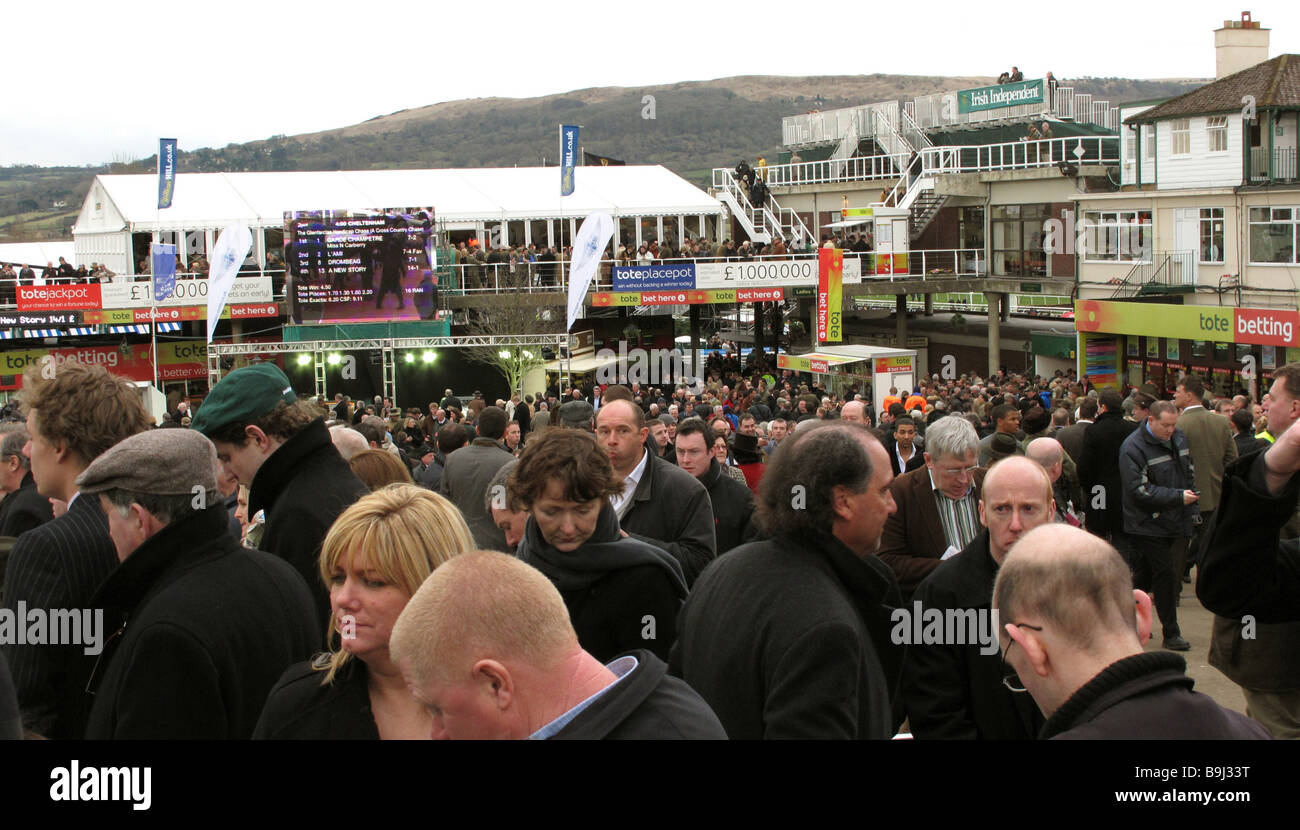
741 558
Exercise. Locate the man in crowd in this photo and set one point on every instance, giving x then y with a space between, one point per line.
349 440
23 507
1209 437
732 502
1049 454
1249 574
1072 632
955 691
487 645
467 473
212 625
776 433
938 505
278 447
904 455
75 413
1006 420
1071 437
1099 468
660 504
815 660
1159 510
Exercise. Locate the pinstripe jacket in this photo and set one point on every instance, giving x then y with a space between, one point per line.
57 565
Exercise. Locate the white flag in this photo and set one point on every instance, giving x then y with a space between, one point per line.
595 233
228 254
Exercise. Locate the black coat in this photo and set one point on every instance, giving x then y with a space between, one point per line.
300 708
733 508
24 509
671 511
1146 697
915 462
1099 467
956 691
206 627
646 704
789 638
57 565
303 487
1246 567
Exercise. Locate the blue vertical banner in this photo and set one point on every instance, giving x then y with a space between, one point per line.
163 265
568 157
166 171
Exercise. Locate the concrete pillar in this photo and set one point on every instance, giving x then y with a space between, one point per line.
900 317
929 308
696 369
995 332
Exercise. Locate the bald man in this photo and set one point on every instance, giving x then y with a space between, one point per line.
1051 455
1073 629
486 644
855 412
348 441
954 691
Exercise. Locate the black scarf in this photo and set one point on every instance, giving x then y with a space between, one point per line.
606 551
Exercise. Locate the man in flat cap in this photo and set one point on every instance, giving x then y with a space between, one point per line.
208 626
577 415
279 447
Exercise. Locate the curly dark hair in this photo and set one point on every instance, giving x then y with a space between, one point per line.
569 456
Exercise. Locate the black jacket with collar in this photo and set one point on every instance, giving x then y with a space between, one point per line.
197 631
1099 467
57 565
1146 697
671 510
915 462
299 708
733 508
955 692
24 509
303 487
814 659
646 704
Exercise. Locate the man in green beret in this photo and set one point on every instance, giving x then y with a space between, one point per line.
279 447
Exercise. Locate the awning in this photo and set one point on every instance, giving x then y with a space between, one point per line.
850 223
582 365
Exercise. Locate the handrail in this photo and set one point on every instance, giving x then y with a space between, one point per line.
772 217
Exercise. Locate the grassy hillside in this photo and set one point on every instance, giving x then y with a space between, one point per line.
696 126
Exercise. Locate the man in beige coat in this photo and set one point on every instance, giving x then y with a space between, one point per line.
1209 437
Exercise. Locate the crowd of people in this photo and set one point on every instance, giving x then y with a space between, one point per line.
726 561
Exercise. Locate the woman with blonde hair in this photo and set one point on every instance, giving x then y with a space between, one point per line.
373 559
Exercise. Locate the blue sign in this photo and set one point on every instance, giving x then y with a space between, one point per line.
163 266
655 277
568 157
166 171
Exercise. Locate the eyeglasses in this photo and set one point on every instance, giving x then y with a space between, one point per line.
959 472
1009 677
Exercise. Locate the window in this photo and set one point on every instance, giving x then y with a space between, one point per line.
1117 236
1272 234
1018 238
1130 146
1150 130
1182 136
1211 234
1216 130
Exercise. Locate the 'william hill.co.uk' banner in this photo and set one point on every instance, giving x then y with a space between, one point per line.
830 303
186 360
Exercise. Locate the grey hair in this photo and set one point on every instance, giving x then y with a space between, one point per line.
15 438
952 437
166 509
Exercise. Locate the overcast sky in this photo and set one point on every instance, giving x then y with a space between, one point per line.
90 81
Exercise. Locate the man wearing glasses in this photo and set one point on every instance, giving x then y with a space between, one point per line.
954 691
938 505
1072 634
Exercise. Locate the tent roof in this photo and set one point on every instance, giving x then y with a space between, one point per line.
214 200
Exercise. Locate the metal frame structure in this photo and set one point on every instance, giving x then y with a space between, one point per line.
387 346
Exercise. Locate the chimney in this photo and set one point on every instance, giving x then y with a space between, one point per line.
1239 45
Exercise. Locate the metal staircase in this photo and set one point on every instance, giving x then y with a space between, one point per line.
761 224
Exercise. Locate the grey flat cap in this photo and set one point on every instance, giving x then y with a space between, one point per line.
576 414
161 462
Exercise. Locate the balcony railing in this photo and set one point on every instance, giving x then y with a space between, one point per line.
1284 164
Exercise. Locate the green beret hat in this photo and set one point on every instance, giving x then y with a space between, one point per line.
245 394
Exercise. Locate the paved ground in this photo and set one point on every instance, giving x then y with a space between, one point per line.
1195 622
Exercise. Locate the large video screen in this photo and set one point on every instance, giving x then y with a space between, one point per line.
353 266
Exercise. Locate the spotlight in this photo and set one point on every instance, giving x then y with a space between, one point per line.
304 359
429 357
334 359
410 357
503 354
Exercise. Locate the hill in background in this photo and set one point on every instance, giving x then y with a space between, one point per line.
696 126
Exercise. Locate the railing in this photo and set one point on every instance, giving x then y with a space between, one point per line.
975 158
1284 164
1176 268
911 132
772 218
9 288
846 149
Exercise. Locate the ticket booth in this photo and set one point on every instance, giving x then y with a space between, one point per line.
877 368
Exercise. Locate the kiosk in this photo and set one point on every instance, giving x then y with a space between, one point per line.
874 367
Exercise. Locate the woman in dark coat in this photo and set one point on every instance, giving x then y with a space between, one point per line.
622 594
374 559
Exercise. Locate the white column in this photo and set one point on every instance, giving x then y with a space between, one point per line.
659 228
